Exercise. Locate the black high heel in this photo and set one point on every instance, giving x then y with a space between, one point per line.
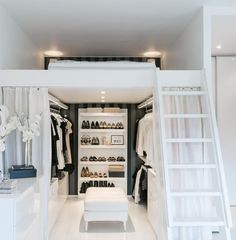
97 125
92 125
83 125
87 125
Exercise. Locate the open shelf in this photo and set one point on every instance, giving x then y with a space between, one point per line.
104 136
86 179
102 146
102 114
120 131
101 163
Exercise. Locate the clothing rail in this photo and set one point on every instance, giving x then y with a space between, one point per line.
57 102
146 103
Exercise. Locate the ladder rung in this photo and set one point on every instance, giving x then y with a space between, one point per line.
195 194
186 116
188 140
183 93
192 166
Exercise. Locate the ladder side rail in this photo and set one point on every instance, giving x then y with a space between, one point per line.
218 152
164 151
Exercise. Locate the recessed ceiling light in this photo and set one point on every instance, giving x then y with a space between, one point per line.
53 53
152 54
218 46
103 92
102 100
103 97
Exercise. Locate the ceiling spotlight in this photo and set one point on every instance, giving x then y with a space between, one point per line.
152 54
219 46
53 53
102 97
102 100
103 92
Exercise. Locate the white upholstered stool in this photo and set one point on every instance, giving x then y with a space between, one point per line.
105 204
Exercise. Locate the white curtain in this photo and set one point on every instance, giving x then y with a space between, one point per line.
31 101
190 208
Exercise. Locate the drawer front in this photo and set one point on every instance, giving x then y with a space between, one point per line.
25 206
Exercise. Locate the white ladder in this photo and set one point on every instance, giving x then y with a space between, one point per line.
177 84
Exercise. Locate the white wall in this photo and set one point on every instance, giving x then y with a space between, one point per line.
226 116
186 52
17 51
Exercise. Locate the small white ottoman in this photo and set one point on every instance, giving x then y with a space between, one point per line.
105 204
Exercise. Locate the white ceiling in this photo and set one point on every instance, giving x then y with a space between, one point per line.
81 95
224 34
103 27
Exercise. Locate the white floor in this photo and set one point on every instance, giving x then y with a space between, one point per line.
70 225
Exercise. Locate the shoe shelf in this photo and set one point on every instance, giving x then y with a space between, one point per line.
102 146
105 148
85 114
86 179
118 131
89 163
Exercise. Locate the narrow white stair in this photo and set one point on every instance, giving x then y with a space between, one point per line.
210 202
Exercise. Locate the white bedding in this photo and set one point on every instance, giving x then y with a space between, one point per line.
73 65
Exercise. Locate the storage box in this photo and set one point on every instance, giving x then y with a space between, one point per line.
116 171
22 172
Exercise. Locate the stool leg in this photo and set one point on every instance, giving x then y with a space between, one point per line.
86 226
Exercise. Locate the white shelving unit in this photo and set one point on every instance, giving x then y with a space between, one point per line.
100 150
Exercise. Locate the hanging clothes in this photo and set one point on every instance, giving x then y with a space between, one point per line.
141 185
61 128
144 140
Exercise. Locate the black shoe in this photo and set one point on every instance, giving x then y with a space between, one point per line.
93 141
92 125
95 183
105 184
97 125
112 185
108 185
97 141
83 125
86 186
82 189
90 183
100 183
87 125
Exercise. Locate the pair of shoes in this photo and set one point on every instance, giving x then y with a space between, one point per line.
92 159
95 125
95 141
102 159
85 125
83 172
103 125
110 185
119 125
84 159
111 159
120 159
85 140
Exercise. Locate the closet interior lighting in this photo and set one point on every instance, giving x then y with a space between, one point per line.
57 102
146 103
